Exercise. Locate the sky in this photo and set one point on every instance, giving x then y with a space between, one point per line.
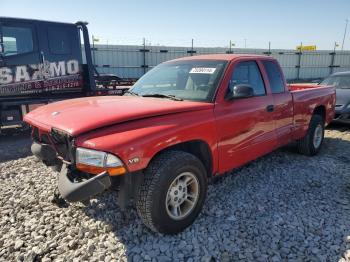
247 23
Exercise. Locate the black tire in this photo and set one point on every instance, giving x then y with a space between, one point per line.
152 193
306 145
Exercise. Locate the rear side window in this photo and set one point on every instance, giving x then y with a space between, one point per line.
17 40
275 77
59 40
248 73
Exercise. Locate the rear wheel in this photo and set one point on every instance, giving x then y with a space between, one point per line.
311 144
172 193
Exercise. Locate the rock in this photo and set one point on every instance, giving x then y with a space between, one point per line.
231 218
225 257
91 248
136 258
46 259
73 244
37 250
162 258
315 250
163 247
18 244
101 257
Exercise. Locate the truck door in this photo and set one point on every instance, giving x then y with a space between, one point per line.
19 57
60 51
283 103
245 126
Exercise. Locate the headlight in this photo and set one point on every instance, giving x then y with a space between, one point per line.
96 162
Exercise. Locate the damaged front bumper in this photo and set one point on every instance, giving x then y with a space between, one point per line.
70 187
78 191
74 185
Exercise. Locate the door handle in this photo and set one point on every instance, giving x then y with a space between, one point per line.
270 108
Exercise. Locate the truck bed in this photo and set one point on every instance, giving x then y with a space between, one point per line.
307 97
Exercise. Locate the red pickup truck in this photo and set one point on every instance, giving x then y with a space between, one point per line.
183 122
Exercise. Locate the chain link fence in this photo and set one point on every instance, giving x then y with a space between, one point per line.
132 61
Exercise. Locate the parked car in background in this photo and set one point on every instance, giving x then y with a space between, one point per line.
341 81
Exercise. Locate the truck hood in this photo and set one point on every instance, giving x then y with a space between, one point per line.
77 116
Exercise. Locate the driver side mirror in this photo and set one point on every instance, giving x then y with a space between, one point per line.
240 91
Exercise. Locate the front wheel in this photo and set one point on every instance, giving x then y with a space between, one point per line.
311 144
172 193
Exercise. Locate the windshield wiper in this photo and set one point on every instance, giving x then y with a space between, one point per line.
172 97
131 93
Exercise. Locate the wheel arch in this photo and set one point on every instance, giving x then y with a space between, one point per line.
320 110
198 148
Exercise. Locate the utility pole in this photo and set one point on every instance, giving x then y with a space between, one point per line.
269 48
192 48
333 58
93 49
144 56
346 27
299 60
245 42
230 47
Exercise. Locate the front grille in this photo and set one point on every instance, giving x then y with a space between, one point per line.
63 144
60 141
58 136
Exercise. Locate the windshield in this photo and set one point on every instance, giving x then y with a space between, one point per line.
194 80
340 81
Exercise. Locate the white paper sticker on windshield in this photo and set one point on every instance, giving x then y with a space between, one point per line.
202 70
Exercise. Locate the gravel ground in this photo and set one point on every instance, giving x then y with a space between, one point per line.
281 207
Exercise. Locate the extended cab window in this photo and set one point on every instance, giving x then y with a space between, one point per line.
17 40
248 73
59 40
275 77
